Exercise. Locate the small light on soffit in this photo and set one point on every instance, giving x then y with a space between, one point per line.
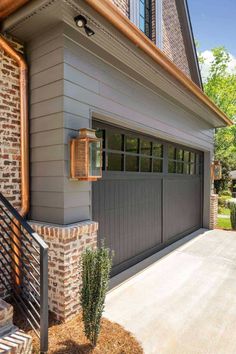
81 22
89 31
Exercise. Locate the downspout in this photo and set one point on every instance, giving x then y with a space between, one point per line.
24 150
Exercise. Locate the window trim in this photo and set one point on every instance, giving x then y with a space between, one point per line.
134 12
158 19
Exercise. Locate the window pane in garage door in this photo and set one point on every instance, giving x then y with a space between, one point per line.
114 162
146 147
131 144
157 165
131 163
146 164
157 150
114 141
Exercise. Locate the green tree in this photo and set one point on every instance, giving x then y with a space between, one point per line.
220 86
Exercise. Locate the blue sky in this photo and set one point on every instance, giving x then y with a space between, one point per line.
214 23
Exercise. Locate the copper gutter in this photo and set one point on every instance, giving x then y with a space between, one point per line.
110 12
24 146
9 6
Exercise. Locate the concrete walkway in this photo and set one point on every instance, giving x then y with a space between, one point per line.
185 302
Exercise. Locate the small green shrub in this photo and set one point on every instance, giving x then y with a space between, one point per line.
96 266
226 193
232 207
222 201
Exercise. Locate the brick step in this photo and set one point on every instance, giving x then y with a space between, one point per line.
12 340
6 317
16 342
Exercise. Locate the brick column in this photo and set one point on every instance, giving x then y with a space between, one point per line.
213 211
66 243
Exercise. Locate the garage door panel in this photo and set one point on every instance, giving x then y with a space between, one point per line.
143 206
130 220
181 201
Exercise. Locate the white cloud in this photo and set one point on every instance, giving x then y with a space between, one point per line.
208 58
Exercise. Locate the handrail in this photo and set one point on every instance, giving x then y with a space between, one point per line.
30 293
23 222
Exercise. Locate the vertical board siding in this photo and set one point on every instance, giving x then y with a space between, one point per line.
133 213
129 215
181 205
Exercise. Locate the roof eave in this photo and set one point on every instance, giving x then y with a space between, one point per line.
112 14
7 7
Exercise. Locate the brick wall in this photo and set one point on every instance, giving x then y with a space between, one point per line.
123 5
9 131
213 211
10 127
65 247
173 44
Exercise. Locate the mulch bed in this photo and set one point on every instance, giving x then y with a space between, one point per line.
69 338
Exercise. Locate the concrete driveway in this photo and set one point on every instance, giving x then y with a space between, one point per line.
184 302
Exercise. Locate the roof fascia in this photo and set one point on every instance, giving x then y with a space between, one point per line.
184 15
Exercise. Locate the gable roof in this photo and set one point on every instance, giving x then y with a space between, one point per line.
187 32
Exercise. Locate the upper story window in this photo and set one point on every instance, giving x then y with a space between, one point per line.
145 16
141 15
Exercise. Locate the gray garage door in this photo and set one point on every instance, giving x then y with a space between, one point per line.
149 196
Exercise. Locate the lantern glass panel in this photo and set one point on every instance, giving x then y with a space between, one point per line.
95 158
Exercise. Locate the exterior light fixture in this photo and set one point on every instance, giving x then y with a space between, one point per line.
86 156
81 22
216 171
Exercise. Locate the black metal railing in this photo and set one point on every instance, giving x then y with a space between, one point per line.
24 269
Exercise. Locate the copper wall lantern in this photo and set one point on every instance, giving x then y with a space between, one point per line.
216 171
86 156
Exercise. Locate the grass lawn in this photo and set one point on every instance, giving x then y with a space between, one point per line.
223 223
224 211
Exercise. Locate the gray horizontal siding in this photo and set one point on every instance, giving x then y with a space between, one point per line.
48 153
50 215
46 108
48 148
80 213
164 129
145 108
68 86
46 77
57 183
60 200
115 85
47 138
48 168
47 123
46 61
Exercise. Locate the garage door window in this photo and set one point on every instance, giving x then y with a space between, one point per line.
183 161
114 161
127 151
114 141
